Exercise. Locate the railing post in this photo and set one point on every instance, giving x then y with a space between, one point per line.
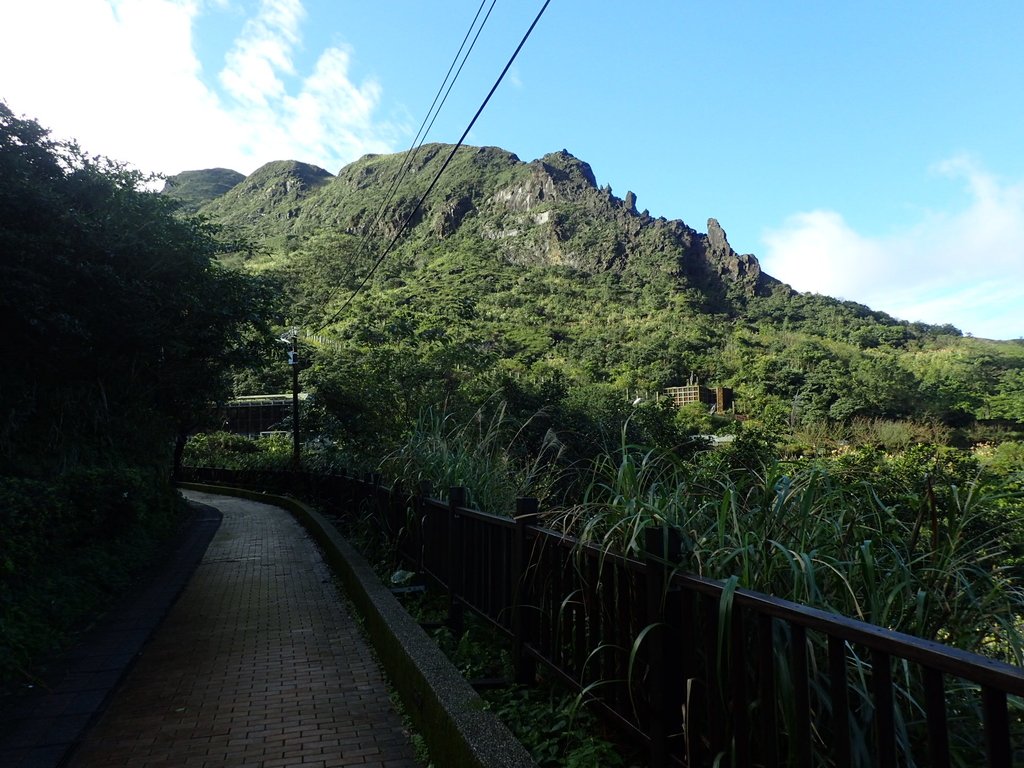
456 561
396 506
423 525
997 727
660 546
522 609
379 509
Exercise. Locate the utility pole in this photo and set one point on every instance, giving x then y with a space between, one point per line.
293 361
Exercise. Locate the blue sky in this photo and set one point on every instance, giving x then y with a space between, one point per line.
870 151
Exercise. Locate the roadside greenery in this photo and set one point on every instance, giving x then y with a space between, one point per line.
122 327
71 546
919 537
925 541
482 455
554 726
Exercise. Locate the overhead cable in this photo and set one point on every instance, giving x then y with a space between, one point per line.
451 155
431 116
425 126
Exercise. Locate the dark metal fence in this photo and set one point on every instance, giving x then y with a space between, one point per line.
696 670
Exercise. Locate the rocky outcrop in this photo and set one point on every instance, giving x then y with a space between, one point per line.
546 212
451 214
557 177
526 195
743 269
555 213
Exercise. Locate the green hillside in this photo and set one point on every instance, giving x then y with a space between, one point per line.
194 189
528 280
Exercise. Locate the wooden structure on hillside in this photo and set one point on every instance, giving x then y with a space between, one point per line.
254 415
719 397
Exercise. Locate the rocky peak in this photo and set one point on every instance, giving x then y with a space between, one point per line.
556 177
717 238
721 256
563 166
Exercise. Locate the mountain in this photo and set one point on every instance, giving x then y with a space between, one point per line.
196 188
530 276
546 212
269 198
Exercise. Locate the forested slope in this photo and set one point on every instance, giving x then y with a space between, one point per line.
529 280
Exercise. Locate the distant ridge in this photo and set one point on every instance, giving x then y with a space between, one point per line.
548 211
196 188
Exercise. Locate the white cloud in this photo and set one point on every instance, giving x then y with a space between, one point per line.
123 77
964 267
329 99
263 50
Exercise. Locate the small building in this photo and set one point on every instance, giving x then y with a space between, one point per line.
719 397
254 414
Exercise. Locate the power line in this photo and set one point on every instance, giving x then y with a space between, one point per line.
412 215
425 126
464 60
414 146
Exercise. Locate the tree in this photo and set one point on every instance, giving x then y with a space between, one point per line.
123 322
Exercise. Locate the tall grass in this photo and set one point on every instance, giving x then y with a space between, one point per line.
483 453
930 565
922 555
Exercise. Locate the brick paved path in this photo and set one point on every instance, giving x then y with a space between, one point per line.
258 664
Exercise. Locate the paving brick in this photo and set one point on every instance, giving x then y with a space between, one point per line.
258 664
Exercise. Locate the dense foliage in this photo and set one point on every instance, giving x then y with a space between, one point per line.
70 545
527 283
121 325
120 319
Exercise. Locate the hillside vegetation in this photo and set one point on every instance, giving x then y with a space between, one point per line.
529 283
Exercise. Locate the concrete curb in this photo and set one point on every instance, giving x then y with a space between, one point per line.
444 707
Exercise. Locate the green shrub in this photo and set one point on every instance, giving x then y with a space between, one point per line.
226 450
555 730
69 547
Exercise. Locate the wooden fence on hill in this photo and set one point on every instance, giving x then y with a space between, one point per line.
691 668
